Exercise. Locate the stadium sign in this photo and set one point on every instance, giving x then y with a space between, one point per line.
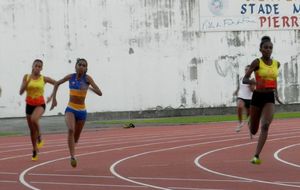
239 15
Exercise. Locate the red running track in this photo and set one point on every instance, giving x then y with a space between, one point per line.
186 157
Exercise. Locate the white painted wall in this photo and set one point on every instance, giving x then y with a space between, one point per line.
171 63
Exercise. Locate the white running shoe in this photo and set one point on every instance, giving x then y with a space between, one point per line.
238 128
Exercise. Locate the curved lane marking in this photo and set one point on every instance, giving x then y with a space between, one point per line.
197 163
276 155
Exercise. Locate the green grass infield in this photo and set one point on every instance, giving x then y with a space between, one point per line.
192 119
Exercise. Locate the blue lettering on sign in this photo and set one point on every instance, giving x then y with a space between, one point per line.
276 9
243 9
251 6
296 9
261 9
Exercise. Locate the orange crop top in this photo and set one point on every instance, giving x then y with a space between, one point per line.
266 75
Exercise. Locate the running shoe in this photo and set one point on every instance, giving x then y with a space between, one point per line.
238 128
34 156
255 160
40 143
73 162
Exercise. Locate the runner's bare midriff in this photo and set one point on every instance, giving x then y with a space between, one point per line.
77 100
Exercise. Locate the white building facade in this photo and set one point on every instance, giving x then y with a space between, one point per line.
145 54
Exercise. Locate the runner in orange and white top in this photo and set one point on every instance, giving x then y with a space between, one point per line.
34 85
244 95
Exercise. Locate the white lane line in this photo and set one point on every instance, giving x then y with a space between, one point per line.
185 188
185 179
289 182
8 173
197 163
63 144
140 178
143 178
276 155
7 181
48 138
64 175
86 184
137 178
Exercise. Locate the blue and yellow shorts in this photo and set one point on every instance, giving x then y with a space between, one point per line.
79 114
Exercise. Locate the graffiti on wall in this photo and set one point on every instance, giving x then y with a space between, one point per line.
227 65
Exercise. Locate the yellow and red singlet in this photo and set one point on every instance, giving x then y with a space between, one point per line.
266 75
35 91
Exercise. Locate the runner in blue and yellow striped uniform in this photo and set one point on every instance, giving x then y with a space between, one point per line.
75 113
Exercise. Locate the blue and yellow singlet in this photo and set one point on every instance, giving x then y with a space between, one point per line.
78 88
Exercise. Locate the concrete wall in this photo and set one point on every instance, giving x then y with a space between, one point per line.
144 54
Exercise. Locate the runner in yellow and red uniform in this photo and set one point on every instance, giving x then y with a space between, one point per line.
34 85
263 98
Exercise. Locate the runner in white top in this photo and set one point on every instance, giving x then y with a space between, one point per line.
244 95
